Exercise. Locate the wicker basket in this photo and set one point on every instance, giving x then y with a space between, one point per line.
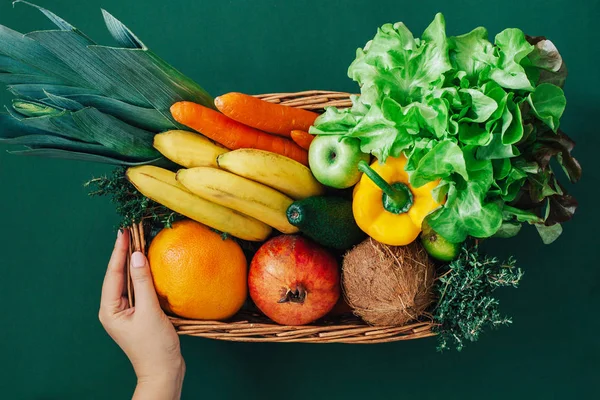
255 327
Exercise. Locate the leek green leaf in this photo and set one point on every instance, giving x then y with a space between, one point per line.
122 34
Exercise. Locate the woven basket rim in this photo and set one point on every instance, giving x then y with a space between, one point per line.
253 327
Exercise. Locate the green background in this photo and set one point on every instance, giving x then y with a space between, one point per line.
55 241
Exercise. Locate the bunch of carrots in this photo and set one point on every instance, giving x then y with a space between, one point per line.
244 121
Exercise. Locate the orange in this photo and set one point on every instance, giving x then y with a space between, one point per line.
196 273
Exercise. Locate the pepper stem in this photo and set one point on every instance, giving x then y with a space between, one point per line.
397 197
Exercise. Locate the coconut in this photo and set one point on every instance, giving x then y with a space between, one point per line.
387 285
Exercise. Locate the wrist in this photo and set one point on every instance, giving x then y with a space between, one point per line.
166 384
173 370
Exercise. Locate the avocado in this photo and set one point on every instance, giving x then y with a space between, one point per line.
437 246
327 220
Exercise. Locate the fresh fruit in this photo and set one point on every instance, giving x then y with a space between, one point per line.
161 186
263 115
188 149
198 274
272 169
232 134
437 246
388 285
334 160
241 194
327 220
294 281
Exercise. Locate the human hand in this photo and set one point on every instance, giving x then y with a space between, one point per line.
143 332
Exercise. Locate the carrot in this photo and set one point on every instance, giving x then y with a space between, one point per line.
260 114
232 134
302 138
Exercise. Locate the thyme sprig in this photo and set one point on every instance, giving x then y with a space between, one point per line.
466 305
130 205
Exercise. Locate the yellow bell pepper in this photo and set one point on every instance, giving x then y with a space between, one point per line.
386 207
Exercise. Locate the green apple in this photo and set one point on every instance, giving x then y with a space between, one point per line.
334 160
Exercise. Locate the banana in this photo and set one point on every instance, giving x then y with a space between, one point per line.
274 170
161 186
241 194
188 149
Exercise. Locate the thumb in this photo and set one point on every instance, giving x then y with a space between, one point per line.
143 287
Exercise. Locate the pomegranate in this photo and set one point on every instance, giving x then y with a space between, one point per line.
293 280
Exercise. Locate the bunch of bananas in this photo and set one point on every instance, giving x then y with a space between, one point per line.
244 192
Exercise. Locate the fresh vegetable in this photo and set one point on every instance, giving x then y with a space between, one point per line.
130 205
302 138
294 281
197 273
387 285
161 186
269 117
438 247
466 305
188 149
334 161
274 170
232 134
248 197
78 100
387 207
328 220
482 118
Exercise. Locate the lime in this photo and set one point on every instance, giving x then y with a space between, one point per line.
437 246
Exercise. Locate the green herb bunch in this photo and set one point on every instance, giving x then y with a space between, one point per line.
466 304
131 205
481 117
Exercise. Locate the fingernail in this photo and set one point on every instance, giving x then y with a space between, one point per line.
119 233
138 260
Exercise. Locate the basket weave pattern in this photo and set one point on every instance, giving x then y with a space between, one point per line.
255 327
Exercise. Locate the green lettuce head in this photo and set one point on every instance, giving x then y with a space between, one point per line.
483 117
